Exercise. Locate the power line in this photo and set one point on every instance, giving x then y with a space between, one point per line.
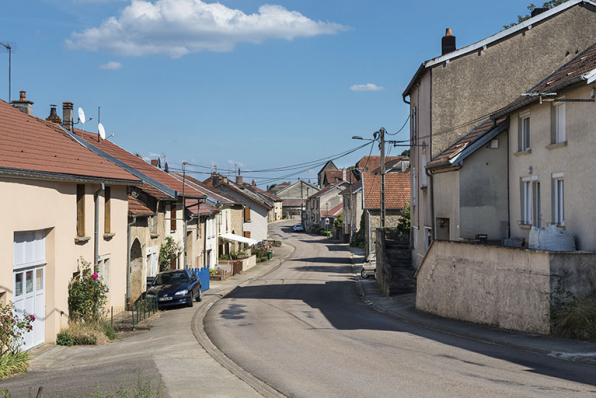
402 127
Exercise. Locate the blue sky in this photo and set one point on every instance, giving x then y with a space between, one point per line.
260 84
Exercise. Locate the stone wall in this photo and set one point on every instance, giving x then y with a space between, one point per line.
395 273
500 286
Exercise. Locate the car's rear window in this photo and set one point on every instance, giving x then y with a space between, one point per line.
171 277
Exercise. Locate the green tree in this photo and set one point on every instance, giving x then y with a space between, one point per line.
406 153
548 5
168 252
338 221
403 226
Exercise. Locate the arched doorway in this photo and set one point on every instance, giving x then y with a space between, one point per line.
136 271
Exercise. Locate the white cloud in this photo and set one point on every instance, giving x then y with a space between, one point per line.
179 27
111 66
366 87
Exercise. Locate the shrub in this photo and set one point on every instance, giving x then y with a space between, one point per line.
87 295
13 328
13 363
108 330
224 257
64 339
575 319
168 253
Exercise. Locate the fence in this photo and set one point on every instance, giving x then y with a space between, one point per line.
203 274
142 309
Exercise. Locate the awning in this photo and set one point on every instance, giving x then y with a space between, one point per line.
238 238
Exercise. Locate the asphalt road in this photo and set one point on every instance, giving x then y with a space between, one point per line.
303 330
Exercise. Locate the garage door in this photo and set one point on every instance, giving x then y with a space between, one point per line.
29 282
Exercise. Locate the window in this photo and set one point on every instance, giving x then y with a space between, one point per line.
560 134
247 234
153 222
524 131
427 238
246 214
107 212
559 199
80 210
530 201
103 269
423 171
173 217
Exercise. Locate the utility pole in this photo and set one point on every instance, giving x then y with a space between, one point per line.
382 147
184 213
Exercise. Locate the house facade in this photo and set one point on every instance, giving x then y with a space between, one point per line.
55 189
449 94
325 200
294 197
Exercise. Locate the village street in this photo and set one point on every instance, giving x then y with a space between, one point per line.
303 330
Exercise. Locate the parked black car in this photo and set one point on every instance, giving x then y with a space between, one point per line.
175 288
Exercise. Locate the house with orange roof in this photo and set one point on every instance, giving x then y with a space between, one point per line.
169 201
63 203
322 202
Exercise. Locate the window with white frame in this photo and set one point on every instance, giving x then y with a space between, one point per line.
524 131
558 199
530 201
560 133
423 172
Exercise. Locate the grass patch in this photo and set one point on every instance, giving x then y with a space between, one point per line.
576 319
79 333
12 364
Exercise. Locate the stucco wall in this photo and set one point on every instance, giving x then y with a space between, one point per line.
447 204
372 221
505 287
576 161
297 191
482 82
51 206
483 192
420 213
257 226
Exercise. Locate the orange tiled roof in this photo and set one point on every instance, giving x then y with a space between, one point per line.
370 163
336 211
203 210
156 193
397 190
28 144
137 163
136 207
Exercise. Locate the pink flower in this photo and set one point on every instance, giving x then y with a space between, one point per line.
95 276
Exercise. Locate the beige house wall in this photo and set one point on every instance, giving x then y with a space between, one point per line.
150 243
575 160
447 204
51 206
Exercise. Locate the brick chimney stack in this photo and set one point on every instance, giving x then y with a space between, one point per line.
254 184
23 105
67 108
54 118
448 42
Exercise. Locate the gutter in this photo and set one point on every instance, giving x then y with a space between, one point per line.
128 270
96 232
36 175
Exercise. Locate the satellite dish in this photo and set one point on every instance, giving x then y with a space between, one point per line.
102 131
82 115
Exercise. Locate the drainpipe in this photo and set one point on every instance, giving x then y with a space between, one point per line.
432 204
128 270
369 234
96 248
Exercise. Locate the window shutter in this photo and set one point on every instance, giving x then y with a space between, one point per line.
247 234
246 214
80 210
107 212
173 217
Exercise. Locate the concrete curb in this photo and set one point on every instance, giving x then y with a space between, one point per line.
198 329
579 358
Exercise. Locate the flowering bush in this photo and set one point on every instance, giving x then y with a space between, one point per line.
13 328
87 295
168 253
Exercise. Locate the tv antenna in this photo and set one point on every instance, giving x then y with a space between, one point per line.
9 49
101 131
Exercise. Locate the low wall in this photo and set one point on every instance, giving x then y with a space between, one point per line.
395 273
506 287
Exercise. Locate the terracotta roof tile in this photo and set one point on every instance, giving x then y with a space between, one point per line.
292 202
29 144
205 189
137 208
370 163
397 190
323 191
336 211
137 163
204 210
156 193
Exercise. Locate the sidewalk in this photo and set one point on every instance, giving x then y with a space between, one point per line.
174 349
403 307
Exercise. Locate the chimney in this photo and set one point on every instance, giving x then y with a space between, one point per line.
67 115
23 105
239 180
537 11
343 174
155 163
254 184
54 118
216 179
448 42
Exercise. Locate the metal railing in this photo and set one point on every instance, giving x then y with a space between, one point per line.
143 309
